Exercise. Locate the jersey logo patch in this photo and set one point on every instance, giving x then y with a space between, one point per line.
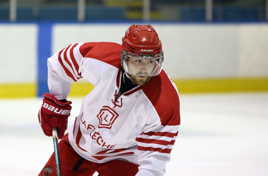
107 117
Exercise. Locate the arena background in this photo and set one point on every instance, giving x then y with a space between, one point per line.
207 53
215 51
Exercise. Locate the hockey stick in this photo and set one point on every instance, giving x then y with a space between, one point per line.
56 150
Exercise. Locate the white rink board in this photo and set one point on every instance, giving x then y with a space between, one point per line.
191 50
223 135
254 50
18 53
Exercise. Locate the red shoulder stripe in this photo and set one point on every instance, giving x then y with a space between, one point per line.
73 59
164 98
66 58
64 68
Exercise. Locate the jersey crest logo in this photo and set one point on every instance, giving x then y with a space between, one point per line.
107 117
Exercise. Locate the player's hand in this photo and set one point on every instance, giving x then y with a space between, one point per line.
54 113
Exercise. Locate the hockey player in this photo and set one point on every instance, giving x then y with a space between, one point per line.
129 121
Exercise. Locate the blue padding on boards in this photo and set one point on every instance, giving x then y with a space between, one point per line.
44 51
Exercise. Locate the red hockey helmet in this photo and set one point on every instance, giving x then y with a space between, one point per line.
141 39
142 42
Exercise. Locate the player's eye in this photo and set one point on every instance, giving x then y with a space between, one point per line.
138 61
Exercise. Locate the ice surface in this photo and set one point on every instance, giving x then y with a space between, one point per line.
221 135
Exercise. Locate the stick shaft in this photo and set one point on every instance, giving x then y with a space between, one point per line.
56 151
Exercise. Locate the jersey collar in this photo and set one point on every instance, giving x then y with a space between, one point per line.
119 80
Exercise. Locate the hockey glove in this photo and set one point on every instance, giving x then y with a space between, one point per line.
54 113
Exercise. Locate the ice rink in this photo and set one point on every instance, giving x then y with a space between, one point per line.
220 135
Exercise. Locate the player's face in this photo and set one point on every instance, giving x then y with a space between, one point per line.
140 68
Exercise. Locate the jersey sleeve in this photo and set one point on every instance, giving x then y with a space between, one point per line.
74 63
154 149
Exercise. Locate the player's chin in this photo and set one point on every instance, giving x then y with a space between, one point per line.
140 80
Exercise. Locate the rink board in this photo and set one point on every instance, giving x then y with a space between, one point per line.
200 58
186 86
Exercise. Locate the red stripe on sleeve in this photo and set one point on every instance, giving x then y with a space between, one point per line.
66 58
167 134
154 149
155 141
73 59
64 68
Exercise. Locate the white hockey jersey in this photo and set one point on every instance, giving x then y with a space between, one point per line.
139 126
